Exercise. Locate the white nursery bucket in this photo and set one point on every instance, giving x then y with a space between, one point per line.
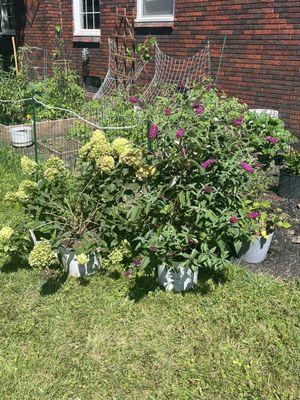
21 136
257 250
72 266
177 278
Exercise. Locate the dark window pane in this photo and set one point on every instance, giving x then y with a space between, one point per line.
84 21
89 4
97 21
90 23
157 7
96 5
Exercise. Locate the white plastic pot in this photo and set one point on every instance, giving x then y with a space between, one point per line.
271 113
72 266
21 135
177 278
256 251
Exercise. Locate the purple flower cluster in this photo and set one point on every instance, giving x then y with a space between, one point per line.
208 189
180 133
206 164
233 219
238 121
167 111
181 85
137 262
199 110
133 100
246 167
153 249
153 132
271 139
254 214
127 273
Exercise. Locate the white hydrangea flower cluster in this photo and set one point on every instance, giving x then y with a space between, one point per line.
28 166
42 255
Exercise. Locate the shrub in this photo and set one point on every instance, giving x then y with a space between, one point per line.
292 162
267 136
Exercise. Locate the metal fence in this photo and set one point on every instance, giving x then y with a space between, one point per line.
61 137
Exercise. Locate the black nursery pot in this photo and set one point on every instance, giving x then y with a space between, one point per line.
289 185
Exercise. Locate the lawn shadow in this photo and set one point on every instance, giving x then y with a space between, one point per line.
114 275
14 265
53 284
208 279
141 286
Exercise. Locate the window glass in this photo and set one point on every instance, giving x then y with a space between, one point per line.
7 16
90 14
158 7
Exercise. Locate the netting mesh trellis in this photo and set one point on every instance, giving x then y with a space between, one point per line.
35 60
117 76
172 72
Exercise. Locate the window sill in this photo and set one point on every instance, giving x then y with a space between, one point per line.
86 39
154 24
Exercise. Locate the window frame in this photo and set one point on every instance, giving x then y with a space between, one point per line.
153 18
77 30
3 31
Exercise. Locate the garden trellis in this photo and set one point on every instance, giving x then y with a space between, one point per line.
176 73
116 75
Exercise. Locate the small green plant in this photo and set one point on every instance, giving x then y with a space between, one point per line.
268 136
292 162
80 131
255 219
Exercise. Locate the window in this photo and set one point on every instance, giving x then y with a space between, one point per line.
93 83
155 10
86 17
7 17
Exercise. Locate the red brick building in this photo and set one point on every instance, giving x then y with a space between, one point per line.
261 63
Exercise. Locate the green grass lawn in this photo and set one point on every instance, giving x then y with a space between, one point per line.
114 338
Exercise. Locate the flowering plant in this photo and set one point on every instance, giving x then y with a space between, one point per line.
267 136
292 162
255 219
54 209
202 174
12 242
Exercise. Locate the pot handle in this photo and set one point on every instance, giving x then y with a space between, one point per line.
33 237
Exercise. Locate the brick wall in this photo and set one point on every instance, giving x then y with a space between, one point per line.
261 63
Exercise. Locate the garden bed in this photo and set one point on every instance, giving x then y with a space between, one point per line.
63 147
52 138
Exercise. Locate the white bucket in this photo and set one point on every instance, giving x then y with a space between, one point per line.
177 278
259 111
21 135
72 266
257 250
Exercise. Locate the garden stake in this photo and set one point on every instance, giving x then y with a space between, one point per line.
34 129
149 141
221 58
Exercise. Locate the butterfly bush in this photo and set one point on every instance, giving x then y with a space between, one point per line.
200 182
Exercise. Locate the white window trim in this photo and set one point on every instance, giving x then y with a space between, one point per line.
76 23
152 18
